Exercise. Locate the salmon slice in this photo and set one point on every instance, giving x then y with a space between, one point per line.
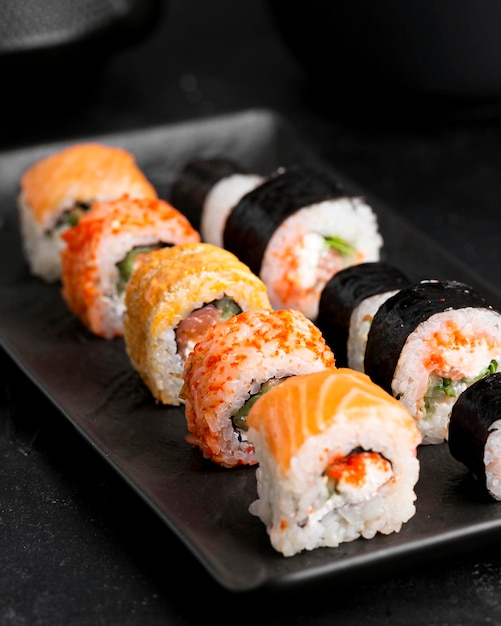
307 405
337 460
237 360
83 172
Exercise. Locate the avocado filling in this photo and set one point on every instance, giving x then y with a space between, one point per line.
227 306
341 245
438 386
71 216
126 266
239 419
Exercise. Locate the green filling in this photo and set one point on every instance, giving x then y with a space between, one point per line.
239 419
447 385
227 306
71 217
342 246
126 266
490 369
451 388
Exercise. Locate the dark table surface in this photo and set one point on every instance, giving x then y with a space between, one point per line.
78 545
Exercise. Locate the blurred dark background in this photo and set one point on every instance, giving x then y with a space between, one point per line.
161 61
429 147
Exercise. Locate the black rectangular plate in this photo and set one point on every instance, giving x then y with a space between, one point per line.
91 381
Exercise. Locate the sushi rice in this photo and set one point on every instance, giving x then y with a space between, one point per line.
219 202
103 248
176 289
337 460
236 361
298 262
360 323
60 186
451 349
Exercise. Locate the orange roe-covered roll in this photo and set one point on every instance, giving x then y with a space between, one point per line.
337 460
58 188
236 362
172 299
103 249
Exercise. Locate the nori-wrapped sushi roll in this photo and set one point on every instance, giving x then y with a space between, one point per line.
428 343
475 432
207 189
348 304
296 230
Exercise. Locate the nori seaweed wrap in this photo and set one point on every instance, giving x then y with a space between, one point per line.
475 430
348 290
427 343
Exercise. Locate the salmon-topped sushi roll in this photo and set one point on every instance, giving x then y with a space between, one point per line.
238 361
172 299
103 249
296 230
58 188
337 460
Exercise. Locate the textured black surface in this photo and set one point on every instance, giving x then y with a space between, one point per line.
79 546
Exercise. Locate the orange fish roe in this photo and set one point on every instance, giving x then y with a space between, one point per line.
232 363
352 469
101 239
337 460
312 244
452 337
289 287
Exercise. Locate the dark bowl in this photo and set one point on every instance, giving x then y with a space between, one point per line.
59 44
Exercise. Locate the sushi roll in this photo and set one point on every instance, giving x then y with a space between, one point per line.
475 432
348 303
58 188
209 187
427 344
296 230
102 250
236 362
337 460
171 300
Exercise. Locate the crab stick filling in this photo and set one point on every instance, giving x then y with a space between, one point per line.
353 478
312 245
